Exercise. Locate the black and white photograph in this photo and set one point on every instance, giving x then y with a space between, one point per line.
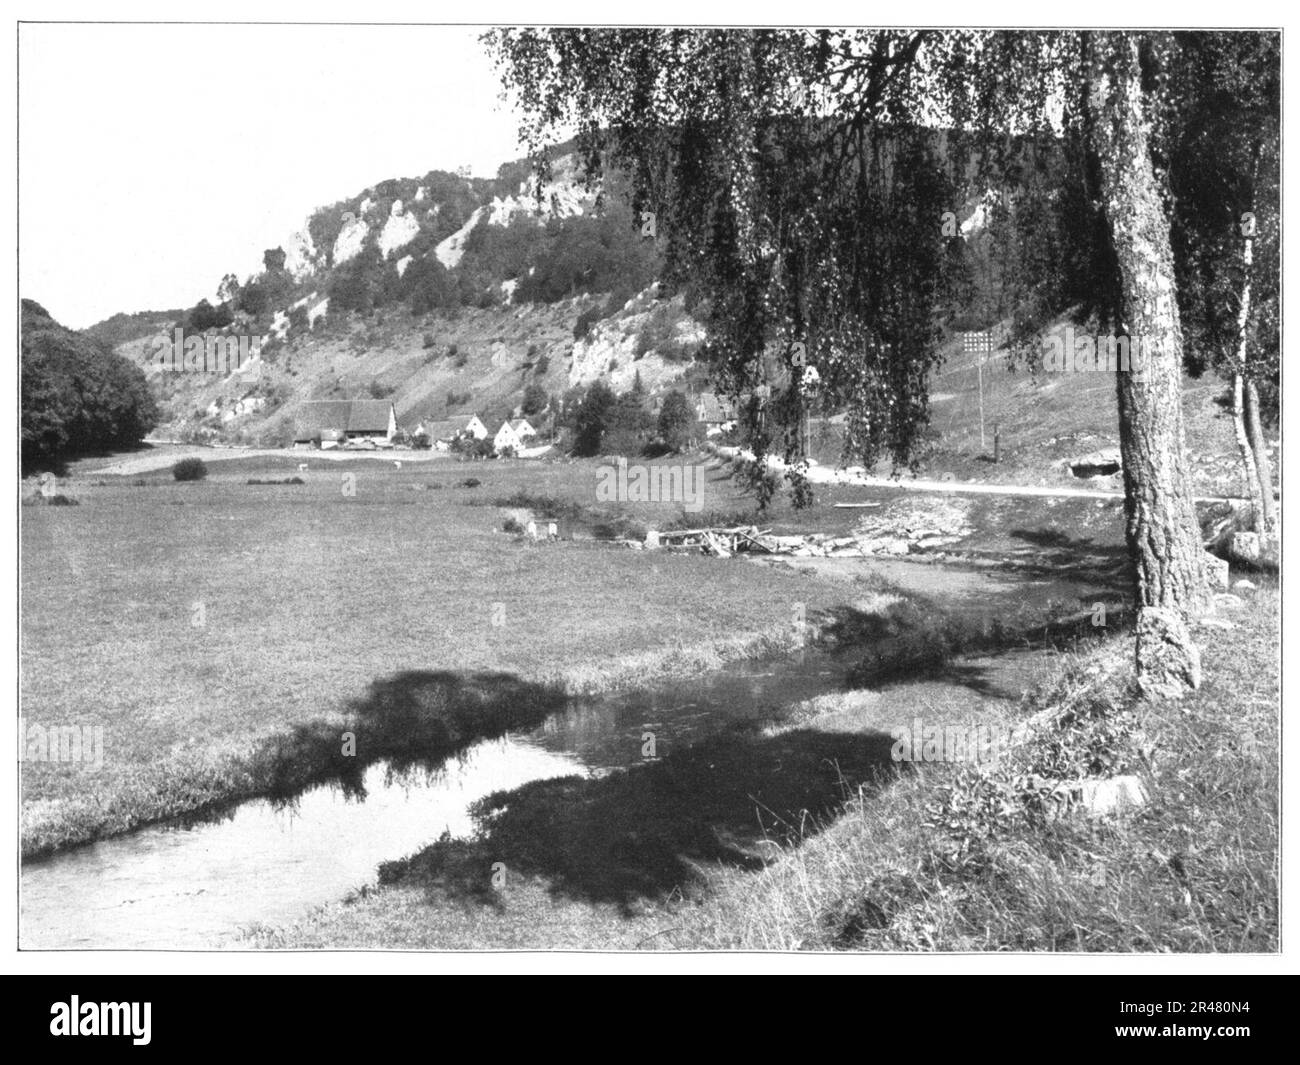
627 490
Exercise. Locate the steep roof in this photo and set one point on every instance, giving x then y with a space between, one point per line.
350 415
369 416
321 414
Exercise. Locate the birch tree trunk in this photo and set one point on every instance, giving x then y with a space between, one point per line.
1267 527
1247 451
1244 444
1163 536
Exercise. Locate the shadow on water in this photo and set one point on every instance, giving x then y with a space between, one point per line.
732 799
413 720
653 830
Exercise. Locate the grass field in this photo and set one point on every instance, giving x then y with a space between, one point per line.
225 634
195 621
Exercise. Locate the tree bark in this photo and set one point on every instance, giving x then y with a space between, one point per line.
1247 451
1163 535
1245 406
1267 526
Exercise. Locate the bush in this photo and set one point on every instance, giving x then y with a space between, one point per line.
189 470
585 321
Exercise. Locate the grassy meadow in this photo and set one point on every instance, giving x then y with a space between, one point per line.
226 635
196 621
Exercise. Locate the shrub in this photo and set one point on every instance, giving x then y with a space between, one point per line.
189 470
585 321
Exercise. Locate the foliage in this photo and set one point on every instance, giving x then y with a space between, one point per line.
535 400
203 316
75 395
190 469
676 420
1221 145
593 418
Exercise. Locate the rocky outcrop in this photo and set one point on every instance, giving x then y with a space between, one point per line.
400 229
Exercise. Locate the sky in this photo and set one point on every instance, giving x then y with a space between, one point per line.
155 159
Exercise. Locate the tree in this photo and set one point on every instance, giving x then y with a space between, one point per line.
676 420
76 396
593 419
535 400
228 291
801 180
629 423
204 316
1222 143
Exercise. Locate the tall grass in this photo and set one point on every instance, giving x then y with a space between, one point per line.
954 860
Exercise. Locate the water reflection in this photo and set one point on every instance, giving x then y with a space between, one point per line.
198 882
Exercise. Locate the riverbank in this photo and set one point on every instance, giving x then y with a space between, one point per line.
851 851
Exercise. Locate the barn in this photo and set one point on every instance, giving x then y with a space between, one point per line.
354 419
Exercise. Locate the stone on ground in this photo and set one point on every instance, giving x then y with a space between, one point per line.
1169 664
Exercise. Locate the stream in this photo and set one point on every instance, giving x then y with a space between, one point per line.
201 883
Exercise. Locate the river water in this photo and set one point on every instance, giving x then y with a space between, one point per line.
198 884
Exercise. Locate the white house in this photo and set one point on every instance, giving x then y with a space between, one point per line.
467 425
505 439
513 434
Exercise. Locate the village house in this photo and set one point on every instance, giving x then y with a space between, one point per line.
442 434
466 425
718 415
345 420
512 435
